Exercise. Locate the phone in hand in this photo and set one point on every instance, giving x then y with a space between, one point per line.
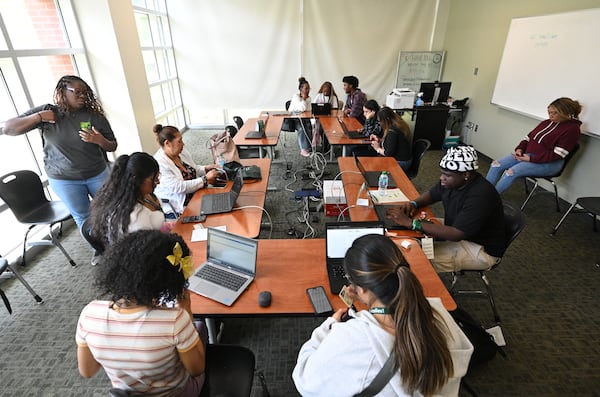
193 218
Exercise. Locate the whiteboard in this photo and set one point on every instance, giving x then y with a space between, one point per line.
415 67
551 56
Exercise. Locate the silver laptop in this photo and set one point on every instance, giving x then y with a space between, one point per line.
223 202
229 268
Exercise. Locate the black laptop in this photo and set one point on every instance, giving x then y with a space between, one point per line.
321 109
354 134
381 211
223 202
339 236
372 177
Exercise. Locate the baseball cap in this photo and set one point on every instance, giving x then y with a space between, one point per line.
460 158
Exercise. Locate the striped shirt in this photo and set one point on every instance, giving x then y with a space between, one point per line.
138 347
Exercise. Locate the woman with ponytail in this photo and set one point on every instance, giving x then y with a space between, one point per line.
429 352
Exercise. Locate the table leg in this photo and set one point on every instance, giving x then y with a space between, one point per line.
212 329
343 150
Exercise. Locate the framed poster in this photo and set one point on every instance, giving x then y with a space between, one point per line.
415 67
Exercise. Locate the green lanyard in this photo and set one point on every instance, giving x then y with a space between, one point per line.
379 310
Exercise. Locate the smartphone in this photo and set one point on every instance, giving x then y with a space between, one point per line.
85 125
193 218
319 300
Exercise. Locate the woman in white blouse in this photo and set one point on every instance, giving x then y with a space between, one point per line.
300 103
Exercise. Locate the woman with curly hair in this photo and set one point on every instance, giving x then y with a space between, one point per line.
76 136
126 202
428 352
145 343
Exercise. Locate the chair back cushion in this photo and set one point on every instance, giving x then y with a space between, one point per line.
514 222
419 148
23 192
567 160
229 371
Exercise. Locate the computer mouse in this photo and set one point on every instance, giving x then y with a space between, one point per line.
264 299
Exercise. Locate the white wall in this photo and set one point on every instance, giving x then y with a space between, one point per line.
475 37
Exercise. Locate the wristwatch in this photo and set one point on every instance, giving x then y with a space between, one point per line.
204 180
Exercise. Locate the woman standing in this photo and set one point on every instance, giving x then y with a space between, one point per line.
429 352
300 103
143 335
180 177
76 135
126 202
542 152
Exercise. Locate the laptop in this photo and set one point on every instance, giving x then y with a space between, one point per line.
339 236
223 202
321 109
229 268
256 134
354 134
372 177
381 211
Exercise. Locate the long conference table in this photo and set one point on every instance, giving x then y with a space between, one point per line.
288 267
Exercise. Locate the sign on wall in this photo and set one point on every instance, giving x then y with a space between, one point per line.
415 67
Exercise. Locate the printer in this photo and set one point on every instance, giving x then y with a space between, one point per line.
401 98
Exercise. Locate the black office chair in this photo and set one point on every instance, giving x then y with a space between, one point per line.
229 371
514 222
587 205
23 192
420 146
550 179
238 121
8 268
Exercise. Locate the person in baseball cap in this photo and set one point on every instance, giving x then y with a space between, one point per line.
472 236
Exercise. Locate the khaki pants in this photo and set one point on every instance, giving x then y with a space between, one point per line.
452 256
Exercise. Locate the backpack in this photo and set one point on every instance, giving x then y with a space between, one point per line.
484 346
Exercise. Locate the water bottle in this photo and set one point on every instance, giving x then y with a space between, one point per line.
221 161
383 183
420 100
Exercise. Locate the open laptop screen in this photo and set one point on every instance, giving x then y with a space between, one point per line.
340 236
232 250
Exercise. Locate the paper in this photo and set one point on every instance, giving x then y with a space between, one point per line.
362 202
391 196
202 234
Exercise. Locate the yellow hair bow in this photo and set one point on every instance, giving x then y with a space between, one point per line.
185 264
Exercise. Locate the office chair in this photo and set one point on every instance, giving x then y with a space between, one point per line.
514 222
11 270
420 146
239 122
23 192
549 178
588 205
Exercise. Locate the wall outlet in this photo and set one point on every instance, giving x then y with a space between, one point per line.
476 127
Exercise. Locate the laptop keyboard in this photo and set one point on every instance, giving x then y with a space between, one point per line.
220 202
221 277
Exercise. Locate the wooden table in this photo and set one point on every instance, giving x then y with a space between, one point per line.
353 181
272 132
245 221
335 134
287 268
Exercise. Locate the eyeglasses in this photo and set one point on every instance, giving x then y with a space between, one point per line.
76 92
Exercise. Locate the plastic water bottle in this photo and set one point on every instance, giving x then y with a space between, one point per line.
221 161
420 100
383 183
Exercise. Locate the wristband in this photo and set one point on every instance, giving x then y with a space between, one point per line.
414 204
41 118
416 225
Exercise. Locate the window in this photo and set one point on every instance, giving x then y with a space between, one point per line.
157 50
39 43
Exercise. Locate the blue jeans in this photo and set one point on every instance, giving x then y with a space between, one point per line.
498 174
304 130
76 194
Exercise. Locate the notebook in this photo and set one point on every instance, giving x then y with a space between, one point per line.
339 237
229 268
372 177
381 211
321 109
223 202
355 134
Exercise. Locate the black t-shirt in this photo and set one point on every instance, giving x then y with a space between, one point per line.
476 210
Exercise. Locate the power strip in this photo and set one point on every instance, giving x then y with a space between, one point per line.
307 193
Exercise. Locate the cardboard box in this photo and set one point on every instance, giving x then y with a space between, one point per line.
334 197
401 98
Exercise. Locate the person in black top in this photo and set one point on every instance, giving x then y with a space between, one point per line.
473 234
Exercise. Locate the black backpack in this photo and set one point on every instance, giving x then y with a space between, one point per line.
483 343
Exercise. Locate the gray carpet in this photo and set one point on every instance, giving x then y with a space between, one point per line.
546 290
